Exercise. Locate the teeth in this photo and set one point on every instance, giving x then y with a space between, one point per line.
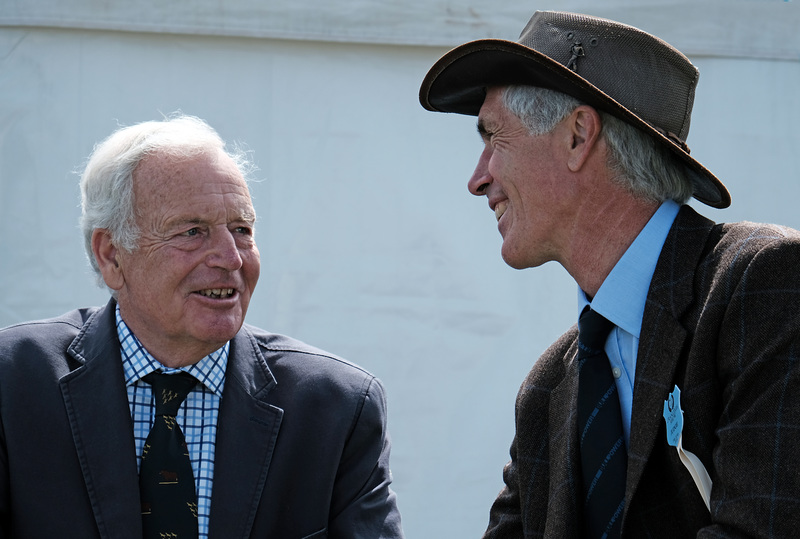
217 292
500 209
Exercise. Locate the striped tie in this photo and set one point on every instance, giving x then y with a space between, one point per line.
604 459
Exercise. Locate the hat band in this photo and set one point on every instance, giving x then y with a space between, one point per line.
674 138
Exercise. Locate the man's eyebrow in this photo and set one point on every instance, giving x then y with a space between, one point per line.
246 217
482 130
182 221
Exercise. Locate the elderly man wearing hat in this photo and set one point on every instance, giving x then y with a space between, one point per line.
671 409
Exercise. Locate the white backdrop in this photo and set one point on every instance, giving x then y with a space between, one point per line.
371 246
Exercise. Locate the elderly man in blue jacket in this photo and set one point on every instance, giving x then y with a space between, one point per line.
272 437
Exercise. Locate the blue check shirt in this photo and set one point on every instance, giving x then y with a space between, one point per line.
197 415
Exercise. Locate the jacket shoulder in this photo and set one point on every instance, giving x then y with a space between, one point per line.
287 355
757 235
550 368
50 330
761 253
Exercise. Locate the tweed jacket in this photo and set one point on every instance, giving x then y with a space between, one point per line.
301 447
722 322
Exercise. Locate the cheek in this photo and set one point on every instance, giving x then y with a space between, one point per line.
514 174
169 280
251 264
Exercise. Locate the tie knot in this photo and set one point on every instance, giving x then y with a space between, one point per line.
169 390
593 329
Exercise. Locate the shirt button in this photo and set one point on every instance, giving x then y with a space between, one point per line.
617 372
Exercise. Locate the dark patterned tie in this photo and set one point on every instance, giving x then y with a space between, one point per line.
604 460
166 481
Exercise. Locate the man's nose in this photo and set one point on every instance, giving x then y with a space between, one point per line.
481 178
223 251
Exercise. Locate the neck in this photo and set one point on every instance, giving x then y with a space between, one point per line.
606 227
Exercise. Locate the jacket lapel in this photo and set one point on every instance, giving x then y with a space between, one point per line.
662 334
246 435
99 416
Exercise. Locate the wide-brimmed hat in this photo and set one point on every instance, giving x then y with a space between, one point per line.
614 67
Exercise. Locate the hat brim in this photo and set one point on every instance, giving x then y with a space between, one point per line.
457 83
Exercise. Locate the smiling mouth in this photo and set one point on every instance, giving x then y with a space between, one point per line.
500 209
217 293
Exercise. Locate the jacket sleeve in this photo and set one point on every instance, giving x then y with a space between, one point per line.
363 504
505 518
5 502
756 483
521 508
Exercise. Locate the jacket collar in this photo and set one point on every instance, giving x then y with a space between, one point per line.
663 335
246 420
102 430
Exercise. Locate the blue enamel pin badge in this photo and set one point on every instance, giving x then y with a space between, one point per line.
673 415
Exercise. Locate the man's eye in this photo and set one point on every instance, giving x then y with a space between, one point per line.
192 232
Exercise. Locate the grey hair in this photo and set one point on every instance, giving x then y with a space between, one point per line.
107 200
638 163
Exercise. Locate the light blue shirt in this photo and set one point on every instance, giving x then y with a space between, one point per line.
621 299
197 415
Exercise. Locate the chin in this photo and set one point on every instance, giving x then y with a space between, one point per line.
528 247
221 330
512 258
516 266
518 262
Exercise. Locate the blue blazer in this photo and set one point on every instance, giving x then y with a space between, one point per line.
302 449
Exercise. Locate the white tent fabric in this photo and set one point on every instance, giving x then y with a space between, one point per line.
760 29
371 246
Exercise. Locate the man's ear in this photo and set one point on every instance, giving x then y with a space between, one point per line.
106 255
585 128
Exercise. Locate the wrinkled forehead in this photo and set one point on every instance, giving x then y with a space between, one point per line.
209 178
186 167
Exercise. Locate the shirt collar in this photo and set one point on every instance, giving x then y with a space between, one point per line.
137 362
622 296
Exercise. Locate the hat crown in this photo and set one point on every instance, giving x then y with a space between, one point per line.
610 66
641 72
